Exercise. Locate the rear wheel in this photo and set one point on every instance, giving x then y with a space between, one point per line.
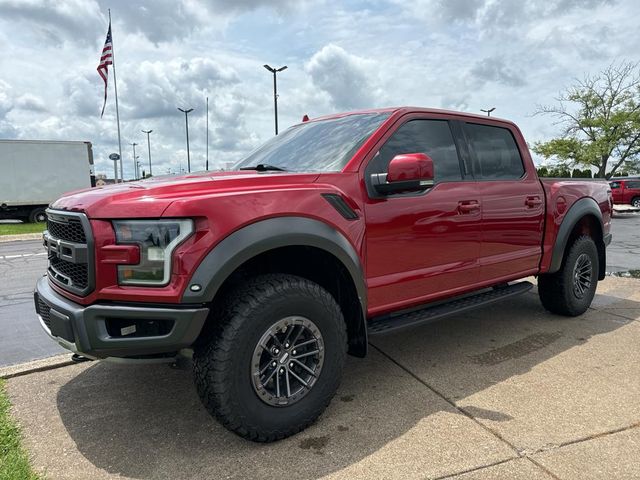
275 358
636 202
570 290
38 215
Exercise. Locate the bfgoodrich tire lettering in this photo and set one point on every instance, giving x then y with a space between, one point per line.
223 365
570 290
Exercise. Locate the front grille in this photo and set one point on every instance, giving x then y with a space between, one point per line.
77 273
70 250
70 230
45 312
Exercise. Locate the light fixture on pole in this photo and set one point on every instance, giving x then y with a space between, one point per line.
186 122
135 166
148 148
488 112
275 90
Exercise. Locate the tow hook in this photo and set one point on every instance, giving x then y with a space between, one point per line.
79 358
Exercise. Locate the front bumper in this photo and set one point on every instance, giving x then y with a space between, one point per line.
102 331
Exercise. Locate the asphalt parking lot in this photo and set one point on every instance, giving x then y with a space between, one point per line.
508 391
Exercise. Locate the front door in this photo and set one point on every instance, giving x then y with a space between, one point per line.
420 246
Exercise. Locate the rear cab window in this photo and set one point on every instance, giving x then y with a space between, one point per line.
495 152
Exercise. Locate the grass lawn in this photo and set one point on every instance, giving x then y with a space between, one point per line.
17 228
14 461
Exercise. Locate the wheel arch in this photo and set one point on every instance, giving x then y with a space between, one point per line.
584 217
305 244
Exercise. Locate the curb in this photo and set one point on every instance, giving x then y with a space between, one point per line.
22 236
41 365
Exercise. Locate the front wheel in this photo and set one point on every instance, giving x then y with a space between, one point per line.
275 358
570 290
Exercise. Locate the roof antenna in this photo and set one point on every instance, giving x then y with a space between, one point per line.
305 118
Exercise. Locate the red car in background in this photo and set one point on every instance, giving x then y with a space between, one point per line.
626 191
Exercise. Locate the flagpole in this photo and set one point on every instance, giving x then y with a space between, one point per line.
207 165
115 86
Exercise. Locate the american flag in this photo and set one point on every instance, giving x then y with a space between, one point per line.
106 59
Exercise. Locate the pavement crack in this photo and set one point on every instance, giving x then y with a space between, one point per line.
451 402
474 469
518 452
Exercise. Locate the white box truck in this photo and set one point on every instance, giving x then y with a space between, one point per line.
34 173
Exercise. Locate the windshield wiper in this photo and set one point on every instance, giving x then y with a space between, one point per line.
264 167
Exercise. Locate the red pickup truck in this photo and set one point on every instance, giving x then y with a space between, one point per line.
337 229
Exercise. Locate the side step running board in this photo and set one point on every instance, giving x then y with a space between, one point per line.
391 323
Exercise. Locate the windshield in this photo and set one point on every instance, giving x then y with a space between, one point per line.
325 145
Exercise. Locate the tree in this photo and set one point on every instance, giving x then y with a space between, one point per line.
603 128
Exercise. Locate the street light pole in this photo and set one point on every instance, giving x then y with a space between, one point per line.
275 90
488 112
186 122
135 166
148 148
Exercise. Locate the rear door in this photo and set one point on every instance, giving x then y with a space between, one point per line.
632 192
512 203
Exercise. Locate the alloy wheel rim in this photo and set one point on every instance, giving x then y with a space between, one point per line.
582 273
287 361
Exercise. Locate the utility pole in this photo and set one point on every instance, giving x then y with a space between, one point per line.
488 112
275 90
186 122
207 162
135 162
148 149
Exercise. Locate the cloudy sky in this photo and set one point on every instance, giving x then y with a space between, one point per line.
456 54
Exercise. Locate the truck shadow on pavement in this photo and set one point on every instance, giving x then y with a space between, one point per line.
147 421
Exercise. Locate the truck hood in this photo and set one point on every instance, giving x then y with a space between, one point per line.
150 198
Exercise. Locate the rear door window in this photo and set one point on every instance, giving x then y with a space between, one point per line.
634 185
497 155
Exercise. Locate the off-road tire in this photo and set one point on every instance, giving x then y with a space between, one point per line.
556 290
223 362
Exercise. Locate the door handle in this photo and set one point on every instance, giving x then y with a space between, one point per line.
533 202
468 206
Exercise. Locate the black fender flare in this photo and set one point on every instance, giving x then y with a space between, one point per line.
583 207
265 235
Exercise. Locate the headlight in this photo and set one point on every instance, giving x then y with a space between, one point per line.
157 240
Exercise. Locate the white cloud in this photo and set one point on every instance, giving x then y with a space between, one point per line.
348 79
459 54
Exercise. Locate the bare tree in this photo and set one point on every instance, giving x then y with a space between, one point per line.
600 117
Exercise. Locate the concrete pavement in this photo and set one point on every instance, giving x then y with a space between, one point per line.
508 391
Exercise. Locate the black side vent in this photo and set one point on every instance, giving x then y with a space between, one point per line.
340 205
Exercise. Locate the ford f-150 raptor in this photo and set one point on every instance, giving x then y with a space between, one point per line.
339 228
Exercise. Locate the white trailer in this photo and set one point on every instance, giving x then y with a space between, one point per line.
34 173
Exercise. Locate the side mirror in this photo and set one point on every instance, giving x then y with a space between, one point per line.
409 172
